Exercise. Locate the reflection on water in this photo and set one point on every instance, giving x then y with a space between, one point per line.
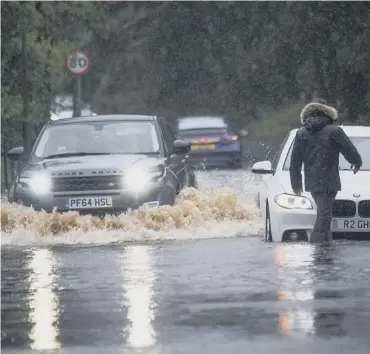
43 301
138 286
329 316
295 285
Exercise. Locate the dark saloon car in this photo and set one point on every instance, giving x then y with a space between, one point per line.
102 164
213 143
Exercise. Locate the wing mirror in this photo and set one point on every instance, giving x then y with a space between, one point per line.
181 147
16 154
263 167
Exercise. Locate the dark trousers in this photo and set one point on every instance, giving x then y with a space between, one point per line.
324 202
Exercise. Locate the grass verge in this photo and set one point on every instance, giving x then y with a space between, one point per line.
276 124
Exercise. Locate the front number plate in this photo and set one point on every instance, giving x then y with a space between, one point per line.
89 203
362 225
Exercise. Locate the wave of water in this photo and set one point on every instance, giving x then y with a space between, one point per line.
215 212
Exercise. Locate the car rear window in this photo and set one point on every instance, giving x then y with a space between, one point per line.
200 123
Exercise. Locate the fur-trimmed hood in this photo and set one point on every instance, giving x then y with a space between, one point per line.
318 109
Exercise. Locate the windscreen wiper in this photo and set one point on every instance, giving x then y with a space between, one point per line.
70 154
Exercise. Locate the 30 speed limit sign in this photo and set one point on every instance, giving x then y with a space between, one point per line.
78 63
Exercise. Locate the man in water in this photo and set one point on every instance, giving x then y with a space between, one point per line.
318 145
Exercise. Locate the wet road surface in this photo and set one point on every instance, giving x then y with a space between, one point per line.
235 295
220 296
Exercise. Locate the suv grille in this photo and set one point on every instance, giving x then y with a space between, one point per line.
90 183
364 208
344 208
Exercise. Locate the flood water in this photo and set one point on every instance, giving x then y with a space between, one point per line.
217 289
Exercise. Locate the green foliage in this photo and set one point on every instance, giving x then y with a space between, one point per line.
275 124
239 59
232 58
41 25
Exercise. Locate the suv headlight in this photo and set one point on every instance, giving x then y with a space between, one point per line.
289 201
138 179
39 182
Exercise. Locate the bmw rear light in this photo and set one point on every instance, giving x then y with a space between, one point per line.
229 138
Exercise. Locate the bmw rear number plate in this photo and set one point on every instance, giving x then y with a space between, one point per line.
89 203
356 225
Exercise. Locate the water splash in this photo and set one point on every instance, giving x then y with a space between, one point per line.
215 212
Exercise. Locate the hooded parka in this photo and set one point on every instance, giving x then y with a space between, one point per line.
317 146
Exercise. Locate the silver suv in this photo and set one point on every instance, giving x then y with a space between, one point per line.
102 164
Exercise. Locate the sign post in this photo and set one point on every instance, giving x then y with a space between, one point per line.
78 64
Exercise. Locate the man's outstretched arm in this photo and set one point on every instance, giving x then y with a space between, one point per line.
347 149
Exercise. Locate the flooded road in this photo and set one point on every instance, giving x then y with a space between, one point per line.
186 295
220 296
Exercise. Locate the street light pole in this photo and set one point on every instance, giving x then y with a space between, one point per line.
77 97
26 126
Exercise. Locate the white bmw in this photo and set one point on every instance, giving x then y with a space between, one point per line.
291 218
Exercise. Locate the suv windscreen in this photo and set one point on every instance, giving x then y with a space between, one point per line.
362 145
123 137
